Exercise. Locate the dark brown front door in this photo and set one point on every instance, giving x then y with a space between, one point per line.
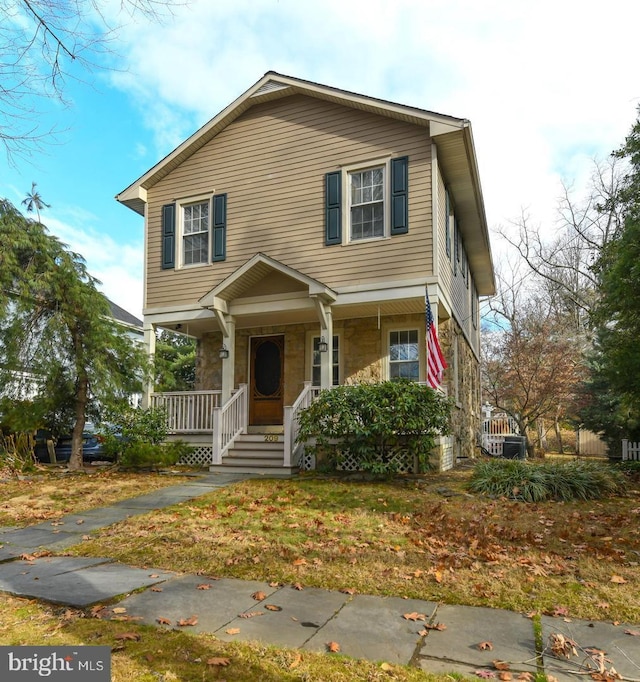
266 398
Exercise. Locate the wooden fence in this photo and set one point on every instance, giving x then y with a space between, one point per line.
630 450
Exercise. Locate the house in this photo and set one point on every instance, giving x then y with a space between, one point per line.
296 236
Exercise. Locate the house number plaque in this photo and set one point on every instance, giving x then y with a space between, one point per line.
271 438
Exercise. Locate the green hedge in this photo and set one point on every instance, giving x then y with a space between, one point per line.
375 423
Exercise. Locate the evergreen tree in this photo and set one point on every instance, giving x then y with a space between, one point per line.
60 351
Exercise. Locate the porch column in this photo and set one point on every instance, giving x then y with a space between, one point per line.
228 364
326 359
150 347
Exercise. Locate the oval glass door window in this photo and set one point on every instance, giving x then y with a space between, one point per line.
267 368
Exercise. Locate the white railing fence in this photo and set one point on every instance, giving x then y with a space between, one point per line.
229 421
630 451
188 411
292 449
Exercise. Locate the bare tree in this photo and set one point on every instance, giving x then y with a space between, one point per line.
564 263
531 364
43 43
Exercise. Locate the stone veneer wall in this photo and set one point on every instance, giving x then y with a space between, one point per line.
466 411
362 348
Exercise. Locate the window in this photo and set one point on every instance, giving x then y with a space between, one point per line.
195 233
404 358
372 202
366 191
316 357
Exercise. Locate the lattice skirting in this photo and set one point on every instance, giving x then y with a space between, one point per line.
200 455
404 461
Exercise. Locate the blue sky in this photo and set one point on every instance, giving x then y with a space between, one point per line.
547 86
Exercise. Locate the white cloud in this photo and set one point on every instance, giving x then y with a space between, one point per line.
546 85
118 266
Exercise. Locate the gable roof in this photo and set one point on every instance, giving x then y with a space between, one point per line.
121 315
453 138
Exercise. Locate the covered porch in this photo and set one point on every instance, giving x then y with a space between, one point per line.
269 339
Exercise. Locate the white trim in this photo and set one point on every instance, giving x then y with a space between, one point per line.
180 206
387 328
310 334
385 165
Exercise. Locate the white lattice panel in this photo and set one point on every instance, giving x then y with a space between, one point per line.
403 461
202 454
308 462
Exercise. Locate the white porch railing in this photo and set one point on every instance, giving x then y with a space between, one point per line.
229 421
292 425
630 450
188 411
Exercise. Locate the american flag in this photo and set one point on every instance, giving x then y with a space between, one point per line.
435 360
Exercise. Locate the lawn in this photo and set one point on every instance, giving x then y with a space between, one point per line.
49 494
425 538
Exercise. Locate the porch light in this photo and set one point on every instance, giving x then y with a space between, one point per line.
323 346
223 352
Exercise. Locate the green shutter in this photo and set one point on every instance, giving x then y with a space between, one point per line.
333 208
219 228
400 195
168 236
447 223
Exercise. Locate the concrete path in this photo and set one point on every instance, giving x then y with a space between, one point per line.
435 638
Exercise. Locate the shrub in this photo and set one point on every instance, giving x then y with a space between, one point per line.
136 438
375 424
17 453
530 482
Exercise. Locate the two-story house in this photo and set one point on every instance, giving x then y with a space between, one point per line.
297 236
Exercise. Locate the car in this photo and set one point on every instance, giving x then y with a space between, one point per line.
92 448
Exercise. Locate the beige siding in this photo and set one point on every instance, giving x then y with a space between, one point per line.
271 162
461 292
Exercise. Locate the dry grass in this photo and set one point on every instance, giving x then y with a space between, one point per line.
51 494
149 654
421 538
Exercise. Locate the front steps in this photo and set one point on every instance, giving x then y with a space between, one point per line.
258 453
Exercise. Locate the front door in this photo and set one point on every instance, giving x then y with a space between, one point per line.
266 395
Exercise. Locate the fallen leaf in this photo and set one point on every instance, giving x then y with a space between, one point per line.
259 596
204 586
618 579
98 611
232 631
163 621
272 607
300 562
387 667
218 660
436 626
633 633
348 590
333 647
414 615
125 636
486 674
155 588
119 609
154 575
296 662
527 677
485 646
505 676
560 611
183 622
274 584
297 586
251 614
501 665
438 576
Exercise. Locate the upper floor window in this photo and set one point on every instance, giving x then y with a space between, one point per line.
367 204
195 233
404 355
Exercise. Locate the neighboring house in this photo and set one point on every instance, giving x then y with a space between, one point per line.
295 236
134 329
